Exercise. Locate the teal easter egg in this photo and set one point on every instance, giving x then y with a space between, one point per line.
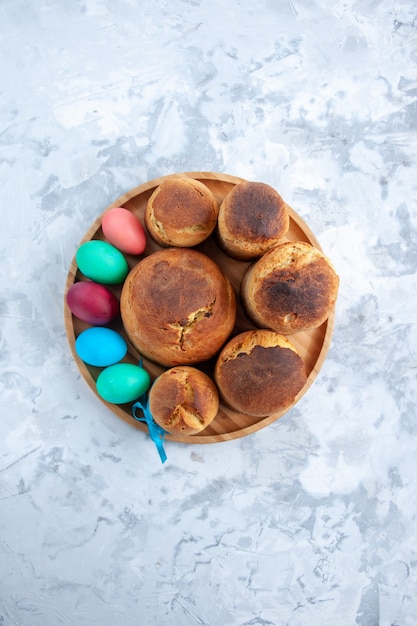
122 382
102 262
100 346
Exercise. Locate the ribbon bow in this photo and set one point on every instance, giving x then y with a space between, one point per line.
156 433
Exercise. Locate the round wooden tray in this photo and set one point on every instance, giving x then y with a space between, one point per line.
313 345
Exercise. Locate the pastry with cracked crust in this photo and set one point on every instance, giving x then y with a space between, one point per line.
183 400
259 372
291 288
181 212
177 307
252 219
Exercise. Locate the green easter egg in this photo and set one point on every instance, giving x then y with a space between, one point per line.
122 382
102 262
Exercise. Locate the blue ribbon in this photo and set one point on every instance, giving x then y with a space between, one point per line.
156 433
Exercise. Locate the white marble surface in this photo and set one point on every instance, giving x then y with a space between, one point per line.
311 521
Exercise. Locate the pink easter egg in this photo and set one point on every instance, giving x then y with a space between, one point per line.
123 229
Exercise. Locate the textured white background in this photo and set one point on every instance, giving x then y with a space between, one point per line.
311 521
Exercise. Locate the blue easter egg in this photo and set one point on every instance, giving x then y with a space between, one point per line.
100 346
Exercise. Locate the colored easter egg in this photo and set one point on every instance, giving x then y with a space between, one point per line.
122 382
92 303
102 262
100 346
123 229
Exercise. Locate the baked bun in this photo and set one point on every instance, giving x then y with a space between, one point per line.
292 288
181 212
177 307
252 219
183 400
259 372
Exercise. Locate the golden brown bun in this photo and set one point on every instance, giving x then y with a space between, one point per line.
183 400
252 219
259 372
177 307
181 212
292 288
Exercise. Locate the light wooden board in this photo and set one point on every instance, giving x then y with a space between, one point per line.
313 345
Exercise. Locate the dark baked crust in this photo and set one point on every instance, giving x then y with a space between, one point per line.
252 218
177 307
292 288
183 400
259 372
181 212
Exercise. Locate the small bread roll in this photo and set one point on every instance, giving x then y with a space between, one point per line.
259 372
292 288
177 307
252 219
181 212
183 400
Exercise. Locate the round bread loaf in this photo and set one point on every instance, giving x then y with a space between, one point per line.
259 372
252 219
183 400
292 288
177 307
181 212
